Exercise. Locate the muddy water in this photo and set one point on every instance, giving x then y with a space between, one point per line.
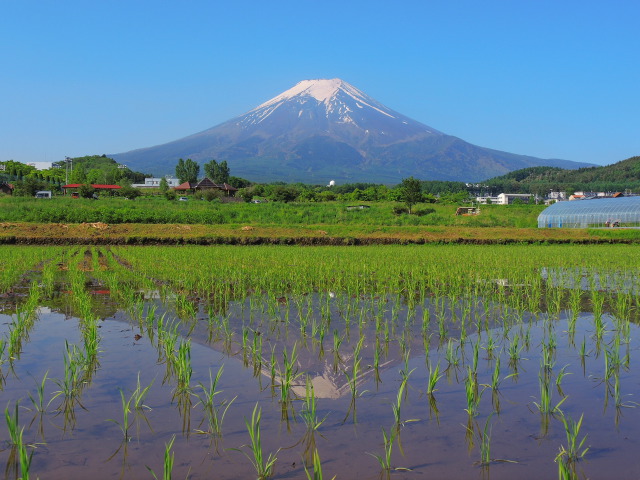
434 439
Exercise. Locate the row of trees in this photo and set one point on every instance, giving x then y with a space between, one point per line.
409 191
188 171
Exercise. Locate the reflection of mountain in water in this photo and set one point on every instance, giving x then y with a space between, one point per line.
258 329
235 331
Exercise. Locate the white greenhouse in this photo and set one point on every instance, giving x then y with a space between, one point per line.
593 212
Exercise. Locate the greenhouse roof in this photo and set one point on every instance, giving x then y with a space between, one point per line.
621 211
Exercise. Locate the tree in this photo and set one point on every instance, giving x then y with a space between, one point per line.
223 173
284 194
28 187
211 170
410 192
78 175
86 191
164 185
129 192
187 170
217 172
246 194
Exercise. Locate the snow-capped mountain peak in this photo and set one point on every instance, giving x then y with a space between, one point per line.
322 90
338 97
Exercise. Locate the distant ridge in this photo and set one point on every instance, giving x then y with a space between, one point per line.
321 130
617 177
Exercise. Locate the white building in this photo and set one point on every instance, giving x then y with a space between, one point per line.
505 199
557 195
487 200
40 165
509 198
155 182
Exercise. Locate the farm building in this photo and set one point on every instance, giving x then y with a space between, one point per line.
206 184
592 212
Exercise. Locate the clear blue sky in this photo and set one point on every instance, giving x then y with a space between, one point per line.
549 78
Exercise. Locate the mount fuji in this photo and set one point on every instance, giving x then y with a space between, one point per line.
323 130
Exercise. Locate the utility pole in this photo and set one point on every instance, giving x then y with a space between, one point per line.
66 161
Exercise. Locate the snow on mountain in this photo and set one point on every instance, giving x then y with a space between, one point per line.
326 129
327 92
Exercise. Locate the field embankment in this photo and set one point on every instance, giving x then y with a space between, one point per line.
98 233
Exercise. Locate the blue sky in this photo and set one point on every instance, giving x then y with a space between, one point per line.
553 79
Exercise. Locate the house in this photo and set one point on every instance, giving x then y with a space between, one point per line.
6 188
206 184
185 187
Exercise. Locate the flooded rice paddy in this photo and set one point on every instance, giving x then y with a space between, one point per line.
288 362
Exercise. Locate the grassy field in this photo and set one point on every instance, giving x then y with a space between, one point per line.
157 221
155 210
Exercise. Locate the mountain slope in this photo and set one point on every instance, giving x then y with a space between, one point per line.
616 177
327 129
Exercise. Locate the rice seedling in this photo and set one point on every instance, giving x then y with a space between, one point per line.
514 350
496 378
561 374
24 458
473 393
214 411
575 450
13 426
397 406
432 380
71 384
288 374
183 368
262 464
385 459
452 354
17 444
169 458
545 406
38 402
309 412
126 424
316 474
139 395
